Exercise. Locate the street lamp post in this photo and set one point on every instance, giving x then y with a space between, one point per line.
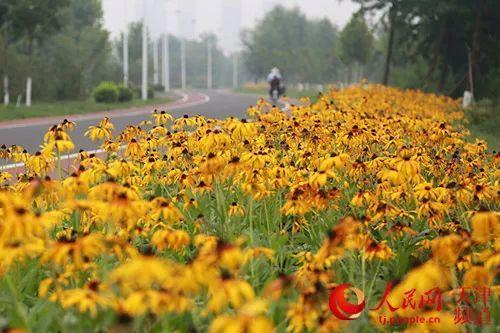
125 58
182 36
209 63
156 78
6 99
166 63
235 70
183 63
166 54
125 46
144 90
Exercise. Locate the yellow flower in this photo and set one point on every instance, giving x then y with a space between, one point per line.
478 276
64 145
78 251
4 177
171 239
39 164
361 199
236 210
406 164
213 164
248 319
163 208
242 130
379 250
447 249
162 117
485 226
88 298
229 292
302 315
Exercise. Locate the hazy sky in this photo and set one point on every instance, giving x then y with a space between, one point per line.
194 17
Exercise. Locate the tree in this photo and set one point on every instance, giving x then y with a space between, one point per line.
303 50
33 21
454 41
356 43
321 62
393 15
78 57
461 37
4 38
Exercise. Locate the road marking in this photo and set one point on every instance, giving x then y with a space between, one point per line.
185 97
180 104
63 158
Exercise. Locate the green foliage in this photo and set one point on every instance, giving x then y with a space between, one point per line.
76 57
304 50
356 47
125 94
356 41
34 19
64 108
434 42
106 92
138 92
484 122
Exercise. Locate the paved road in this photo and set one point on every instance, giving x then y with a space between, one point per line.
210 103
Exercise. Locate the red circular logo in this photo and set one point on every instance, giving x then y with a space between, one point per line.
339 305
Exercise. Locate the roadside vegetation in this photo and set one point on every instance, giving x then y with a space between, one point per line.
205 225
442 47
484 122
262 90
62 108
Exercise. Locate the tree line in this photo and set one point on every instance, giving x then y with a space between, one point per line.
448 45
58 44
441 46
196 59
62 47
304 50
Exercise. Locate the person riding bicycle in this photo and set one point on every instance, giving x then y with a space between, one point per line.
275 84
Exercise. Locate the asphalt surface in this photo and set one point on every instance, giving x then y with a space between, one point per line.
222 104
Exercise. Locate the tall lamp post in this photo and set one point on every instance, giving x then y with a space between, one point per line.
182 36
156 64
144 90
125 46
166 54
209 62
235 70
183 63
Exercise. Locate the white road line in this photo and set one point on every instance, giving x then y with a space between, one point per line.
110 113
206 99
63 158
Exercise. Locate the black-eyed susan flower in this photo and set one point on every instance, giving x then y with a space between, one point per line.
235 209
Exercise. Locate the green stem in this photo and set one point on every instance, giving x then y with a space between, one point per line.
59 166
373 280
250 220
21 312
363 269
267 222
220 207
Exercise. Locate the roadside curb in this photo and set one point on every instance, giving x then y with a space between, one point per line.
186 99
